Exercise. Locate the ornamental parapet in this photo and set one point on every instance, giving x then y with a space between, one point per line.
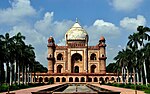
50 58
102 58
93 48
102 45
61 47
70 74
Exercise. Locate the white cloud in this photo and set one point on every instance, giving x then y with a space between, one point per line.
39 30
125 5
131 24
48 27
102 28
45 25
18 10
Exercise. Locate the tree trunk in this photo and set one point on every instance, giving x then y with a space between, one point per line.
145 72
137 73
7 72
127 75
134 75
23 74
25 78
141 77
118 76
34 73
11 67
30 75
122 74
15 72
18 73
5 66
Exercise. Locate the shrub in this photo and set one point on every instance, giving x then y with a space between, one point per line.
3 87
132 86
14 87
127 86
147 91
121 85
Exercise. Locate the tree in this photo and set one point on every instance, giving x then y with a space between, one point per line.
121 60
133 43
8 41
111 68
19 44
2 54
144 36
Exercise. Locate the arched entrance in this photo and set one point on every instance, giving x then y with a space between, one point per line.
51 80
76 79
40 79
63 79
57 79
76 59
76 69
82 79
46 79
89 79
95 79
93 56
106 79
93 68
59 56
101 80
59 69
70 79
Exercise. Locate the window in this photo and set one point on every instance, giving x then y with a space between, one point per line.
59 69
93 67
93 56
59 56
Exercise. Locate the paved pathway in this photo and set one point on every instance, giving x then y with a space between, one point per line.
35 89
29 90
122 90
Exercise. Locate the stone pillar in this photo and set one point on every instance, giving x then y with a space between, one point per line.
43 79
51 50
69 61
50 66
66 61
85 60
102 56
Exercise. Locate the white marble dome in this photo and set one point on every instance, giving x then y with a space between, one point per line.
76 32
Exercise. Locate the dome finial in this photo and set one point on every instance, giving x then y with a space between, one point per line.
76 20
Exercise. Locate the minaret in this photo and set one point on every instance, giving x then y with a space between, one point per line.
102 55
50 58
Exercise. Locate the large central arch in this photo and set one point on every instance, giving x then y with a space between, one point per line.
75 59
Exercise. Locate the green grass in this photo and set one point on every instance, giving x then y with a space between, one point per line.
144 88
4 87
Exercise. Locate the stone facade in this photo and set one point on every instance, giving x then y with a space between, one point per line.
76 56
76 61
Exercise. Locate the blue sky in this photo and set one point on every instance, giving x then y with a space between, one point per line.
39 19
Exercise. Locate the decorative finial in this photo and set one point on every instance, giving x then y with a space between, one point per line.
76 20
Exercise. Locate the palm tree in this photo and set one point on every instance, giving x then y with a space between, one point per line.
19 44
144 36
146 54
121 60
7 44
28 58
133 43
2 54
